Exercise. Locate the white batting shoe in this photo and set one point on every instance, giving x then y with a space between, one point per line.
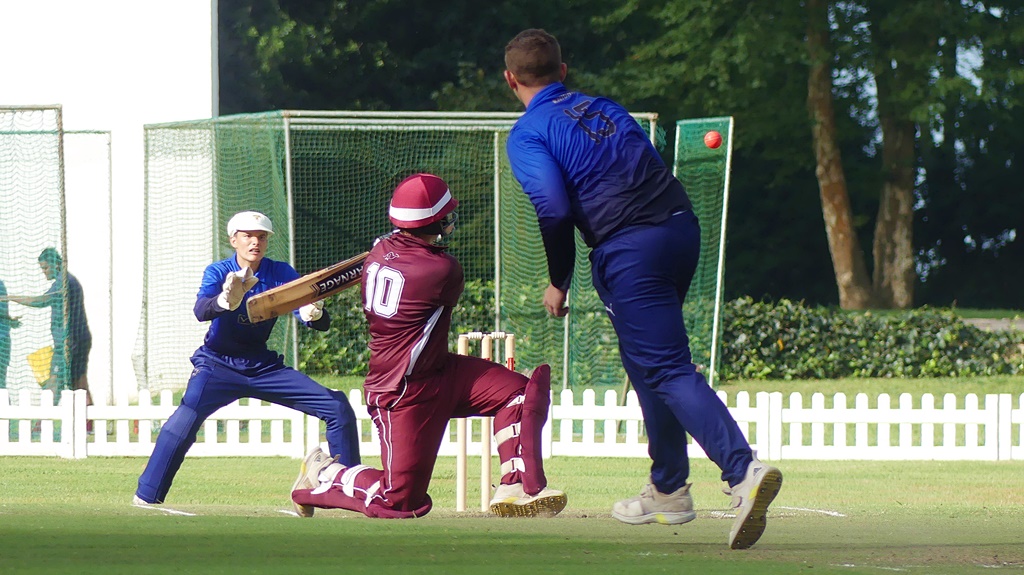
309 477
653 506
512 501
750 500
140 502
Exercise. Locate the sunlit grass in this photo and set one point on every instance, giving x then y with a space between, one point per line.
74 516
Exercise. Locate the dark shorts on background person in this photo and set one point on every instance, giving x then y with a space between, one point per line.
79 361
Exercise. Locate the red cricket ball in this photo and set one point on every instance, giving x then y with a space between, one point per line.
712 139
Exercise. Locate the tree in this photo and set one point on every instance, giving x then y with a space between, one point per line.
912 76
968 228
888 92
859 114
847 257
380 54
735 58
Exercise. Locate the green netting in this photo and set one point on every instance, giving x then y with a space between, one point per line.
704 172
32 218
582 348
250 174
522 278
325 179
343 177
178 242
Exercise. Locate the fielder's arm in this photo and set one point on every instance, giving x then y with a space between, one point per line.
309 288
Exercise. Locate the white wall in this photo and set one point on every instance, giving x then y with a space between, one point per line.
112 65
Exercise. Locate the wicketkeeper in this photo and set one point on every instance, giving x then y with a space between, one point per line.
415 385
234 360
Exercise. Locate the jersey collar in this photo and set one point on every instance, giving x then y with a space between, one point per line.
549 92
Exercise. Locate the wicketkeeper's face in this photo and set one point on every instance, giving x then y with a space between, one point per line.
250 246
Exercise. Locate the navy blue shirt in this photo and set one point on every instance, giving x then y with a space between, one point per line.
230 332
585 162
76 329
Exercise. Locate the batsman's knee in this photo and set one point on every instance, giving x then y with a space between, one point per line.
537 397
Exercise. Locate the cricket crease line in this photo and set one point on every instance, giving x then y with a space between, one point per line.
288 512
900 569
822 511
167 510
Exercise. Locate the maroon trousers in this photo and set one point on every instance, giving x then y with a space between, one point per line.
412 427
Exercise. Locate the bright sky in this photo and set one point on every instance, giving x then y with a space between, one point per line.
113 65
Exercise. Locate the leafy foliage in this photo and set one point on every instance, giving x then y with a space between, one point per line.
789 340
761 340
702 58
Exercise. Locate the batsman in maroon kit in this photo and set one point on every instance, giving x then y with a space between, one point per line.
415 385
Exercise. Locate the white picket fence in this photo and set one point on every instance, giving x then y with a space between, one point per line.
870 429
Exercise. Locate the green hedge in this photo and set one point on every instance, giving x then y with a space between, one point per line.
760 340
787 340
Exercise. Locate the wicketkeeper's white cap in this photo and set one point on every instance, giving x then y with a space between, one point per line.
249 222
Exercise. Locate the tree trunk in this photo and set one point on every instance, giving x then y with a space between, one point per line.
893 246
855 290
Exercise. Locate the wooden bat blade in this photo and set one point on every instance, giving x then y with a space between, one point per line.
309 288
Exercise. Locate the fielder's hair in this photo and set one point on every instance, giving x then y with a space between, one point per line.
50 256
534 58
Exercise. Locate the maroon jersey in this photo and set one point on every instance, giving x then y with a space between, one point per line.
409 290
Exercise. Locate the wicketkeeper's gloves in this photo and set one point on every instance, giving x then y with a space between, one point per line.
235 286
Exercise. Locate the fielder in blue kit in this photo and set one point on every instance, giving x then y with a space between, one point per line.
234 360
586 163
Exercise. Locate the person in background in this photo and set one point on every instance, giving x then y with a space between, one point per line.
415 385
585 163
234 361
6 323
69 327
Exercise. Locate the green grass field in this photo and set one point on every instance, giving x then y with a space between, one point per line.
989 313
73 516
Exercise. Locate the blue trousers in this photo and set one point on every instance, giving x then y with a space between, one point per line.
642 275
215 384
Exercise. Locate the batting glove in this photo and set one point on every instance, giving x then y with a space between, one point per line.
312 311
235 286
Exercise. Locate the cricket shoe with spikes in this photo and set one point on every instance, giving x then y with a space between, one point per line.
750 499
512 501
316 461
653 506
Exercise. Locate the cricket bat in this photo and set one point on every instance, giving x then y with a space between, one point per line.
309 288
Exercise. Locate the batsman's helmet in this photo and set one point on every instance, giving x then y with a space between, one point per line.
249 222
421 200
